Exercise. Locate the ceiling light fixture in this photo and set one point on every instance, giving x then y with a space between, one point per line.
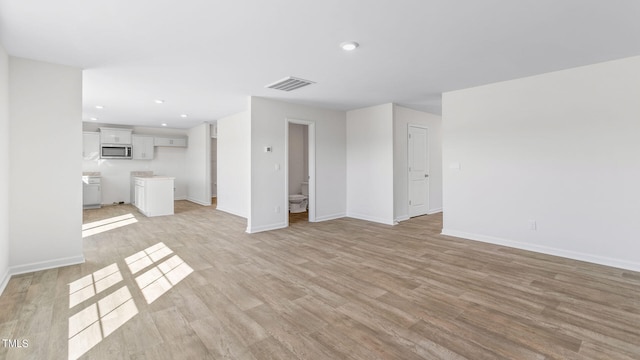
93 119
349 45
183 115
163 124
158 101
99 107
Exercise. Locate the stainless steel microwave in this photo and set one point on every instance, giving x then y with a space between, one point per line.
115 152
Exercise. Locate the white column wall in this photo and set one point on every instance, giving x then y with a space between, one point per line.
45 137
234 164
268 121
560 149
4 168
370 164
198 165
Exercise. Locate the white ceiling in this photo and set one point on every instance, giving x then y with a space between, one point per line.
204 57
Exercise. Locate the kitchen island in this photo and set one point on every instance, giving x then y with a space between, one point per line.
154 195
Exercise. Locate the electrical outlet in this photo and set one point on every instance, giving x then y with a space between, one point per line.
533 226
277 209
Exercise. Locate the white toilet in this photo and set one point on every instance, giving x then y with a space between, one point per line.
298 202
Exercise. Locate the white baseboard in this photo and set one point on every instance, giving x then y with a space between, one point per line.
330 217
4 280
38 266
45 265
180 198
203 203
232 212
575 255
434 211
402 218
371 218
256 229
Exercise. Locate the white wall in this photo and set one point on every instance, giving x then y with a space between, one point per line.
370 164
234 164
268 124
198 165
561 149
214 166
116 179
402 117
297 157
4 168
45 137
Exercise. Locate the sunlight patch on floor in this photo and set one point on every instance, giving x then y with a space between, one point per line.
101 226
89 326
163 277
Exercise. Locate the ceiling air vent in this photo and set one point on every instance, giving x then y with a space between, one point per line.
289 83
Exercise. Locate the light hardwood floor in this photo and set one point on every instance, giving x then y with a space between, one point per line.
341 289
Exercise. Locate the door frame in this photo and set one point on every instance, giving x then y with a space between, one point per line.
426 128
311 135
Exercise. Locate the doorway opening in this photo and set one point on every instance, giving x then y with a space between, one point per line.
300 170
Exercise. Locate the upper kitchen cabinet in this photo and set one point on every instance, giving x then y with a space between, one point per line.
90 145
142 147
171 141
115 136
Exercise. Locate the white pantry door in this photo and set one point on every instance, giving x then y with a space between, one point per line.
418 171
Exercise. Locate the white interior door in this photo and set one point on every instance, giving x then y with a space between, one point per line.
418 171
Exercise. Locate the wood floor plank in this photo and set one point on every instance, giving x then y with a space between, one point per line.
287 332
218 339
340 289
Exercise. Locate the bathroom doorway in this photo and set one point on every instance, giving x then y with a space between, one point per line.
300 170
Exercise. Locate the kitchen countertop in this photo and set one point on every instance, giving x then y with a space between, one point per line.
155 177
141 173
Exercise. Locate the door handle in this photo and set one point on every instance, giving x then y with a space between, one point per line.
426 175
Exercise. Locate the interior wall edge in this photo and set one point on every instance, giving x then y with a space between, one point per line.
574 255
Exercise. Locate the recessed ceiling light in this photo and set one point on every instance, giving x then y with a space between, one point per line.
183 115
163 124
349 45
93 119
99 107
158 101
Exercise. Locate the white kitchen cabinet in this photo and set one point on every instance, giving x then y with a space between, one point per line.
90 145
115 136
142 147
91 192
171 141
154 195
